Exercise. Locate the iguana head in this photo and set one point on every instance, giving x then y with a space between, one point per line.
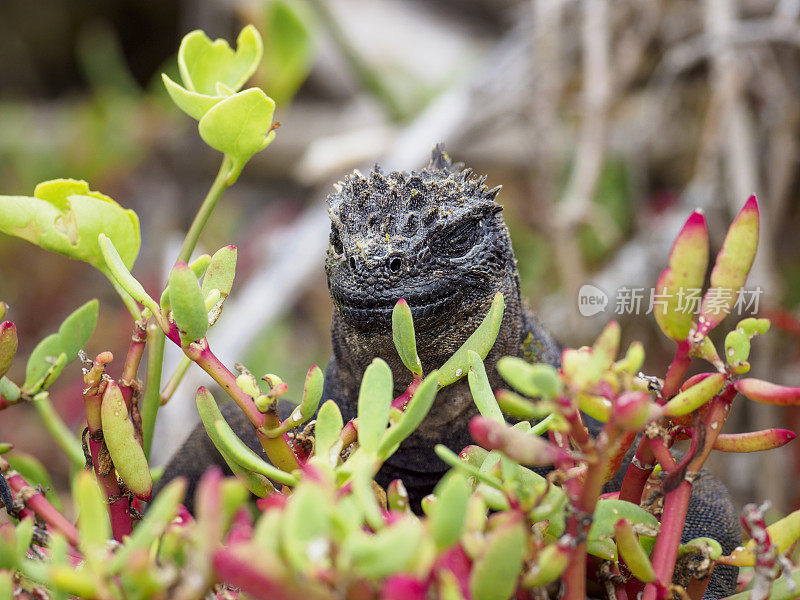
434 237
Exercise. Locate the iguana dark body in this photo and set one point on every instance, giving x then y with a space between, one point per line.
436 238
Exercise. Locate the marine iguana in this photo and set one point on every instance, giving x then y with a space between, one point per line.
437 238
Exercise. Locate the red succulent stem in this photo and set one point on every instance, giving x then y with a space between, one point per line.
132 360
577 430
403 399
676 501
665 552
574 577
584 496
279 449
677 369
713 421
349 433
661 453
638 473
36 502
118 504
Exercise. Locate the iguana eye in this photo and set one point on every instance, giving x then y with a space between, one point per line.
336 241
456 240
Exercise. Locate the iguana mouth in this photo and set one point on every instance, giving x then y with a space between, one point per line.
375 312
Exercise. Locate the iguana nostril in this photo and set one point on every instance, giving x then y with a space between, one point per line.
395 264
352 263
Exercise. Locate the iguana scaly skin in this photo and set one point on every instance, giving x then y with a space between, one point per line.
436 238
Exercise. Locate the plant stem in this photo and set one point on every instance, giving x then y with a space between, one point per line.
151 399
135 351
175 380
155 337
637 474
677 369
42 507
58 429
278 449
204 213
669 537
129 302
118 505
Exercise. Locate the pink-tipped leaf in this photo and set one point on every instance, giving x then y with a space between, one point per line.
753 441
688 261
520 446
731 267
696 396
768 393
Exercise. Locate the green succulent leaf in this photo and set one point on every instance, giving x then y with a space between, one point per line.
415 412
374 403
94 526
450 511
404 337
8 345
607 343
312 392
731 267
327 431
221 271
6 584
481 389
159 515
686 271
203 63
712 546
234 450
307 522
538 381
123 445
65 217
631 550
200 265
480 342
213 421
188 305
24 536
606 515
633 359
193 104
72 335
391 550
695 396
9 390
119 271
494 573
239 126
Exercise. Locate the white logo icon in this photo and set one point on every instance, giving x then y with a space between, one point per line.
591 300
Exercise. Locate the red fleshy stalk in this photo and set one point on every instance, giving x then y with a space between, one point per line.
36 502
118 504
403 399
665 552
677 370
280 451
